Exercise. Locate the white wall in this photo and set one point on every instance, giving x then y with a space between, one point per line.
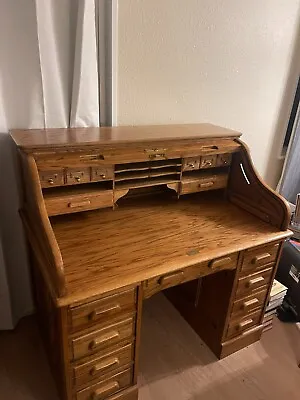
226 62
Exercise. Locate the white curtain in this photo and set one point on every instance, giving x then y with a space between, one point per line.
49 77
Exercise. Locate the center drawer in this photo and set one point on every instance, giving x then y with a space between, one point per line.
102 339
154 285
103 310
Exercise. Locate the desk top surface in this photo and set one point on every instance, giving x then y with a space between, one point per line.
107 249
78 137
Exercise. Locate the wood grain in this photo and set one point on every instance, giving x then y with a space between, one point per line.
104 250
51 138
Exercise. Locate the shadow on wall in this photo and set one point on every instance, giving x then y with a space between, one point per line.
13 239
274 168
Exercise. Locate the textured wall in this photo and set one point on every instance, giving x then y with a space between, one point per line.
225 62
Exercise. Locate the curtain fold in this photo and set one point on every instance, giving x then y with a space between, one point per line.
49 78
289 184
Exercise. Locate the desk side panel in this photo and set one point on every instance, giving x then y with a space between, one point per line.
247 190
39 230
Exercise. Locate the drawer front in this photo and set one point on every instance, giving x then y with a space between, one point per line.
251 283
256 259
103 310
77 175
208 161
249 304
108 364
238 326
223 160
154 285
191 163
104 389
102 339
207 183
51 178
102 173
77 203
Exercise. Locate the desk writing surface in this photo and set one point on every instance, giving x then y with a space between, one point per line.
107 249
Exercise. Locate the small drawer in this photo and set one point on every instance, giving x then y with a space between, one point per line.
154 285
191 163
251 283
249 304
256 259
208 161
51 178
66 204
104 389
238 326
202 184
108 364
77 175
103 310
102 339
223 160
102 173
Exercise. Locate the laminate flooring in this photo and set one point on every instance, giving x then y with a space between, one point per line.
175 364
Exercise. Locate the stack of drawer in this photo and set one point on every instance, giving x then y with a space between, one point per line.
252 289
101 346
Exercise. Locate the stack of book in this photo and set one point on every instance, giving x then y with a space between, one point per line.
278 292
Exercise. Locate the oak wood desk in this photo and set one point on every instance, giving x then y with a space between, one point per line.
115 215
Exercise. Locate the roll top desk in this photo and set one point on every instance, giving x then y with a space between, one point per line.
115 215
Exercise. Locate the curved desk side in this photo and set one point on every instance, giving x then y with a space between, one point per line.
247 190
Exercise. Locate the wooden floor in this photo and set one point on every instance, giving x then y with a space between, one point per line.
175 364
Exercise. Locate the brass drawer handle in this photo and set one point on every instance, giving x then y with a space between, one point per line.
50 181
95 313
83 203
261 257
244 324
250 303
103 176
206 184
190 165
104 365
220 262
170 277
157 155
254 281
91 157
106 390
77 178
103 339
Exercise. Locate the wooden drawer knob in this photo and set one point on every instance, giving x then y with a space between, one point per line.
261 257
96 313
254 281
205 184
220 262
244 324
250 303
106 390
84 203
170 277
101 366
103 339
